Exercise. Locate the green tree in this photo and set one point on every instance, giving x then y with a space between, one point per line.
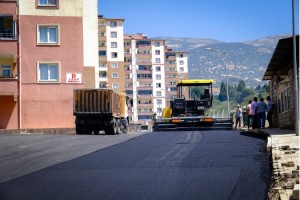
264 91
258 88
223 93
247 92
241 86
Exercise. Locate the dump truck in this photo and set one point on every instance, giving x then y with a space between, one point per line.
190 108
100 110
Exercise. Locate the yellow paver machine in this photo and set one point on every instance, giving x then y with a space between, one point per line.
190 108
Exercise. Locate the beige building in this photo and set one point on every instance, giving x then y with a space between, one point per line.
280 73
176 68
111 53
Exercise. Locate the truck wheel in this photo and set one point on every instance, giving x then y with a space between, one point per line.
80 129
111 129
118 126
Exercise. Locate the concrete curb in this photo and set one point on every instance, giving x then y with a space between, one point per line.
39 131
283 145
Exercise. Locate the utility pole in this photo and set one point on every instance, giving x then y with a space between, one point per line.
296 83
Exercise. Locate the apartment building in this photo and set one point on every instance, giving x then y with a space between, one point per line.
47 48
144 68
151 71
144 76
176 68
111 53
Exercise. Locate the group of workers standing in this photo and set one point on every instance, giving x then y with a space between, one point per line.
256 113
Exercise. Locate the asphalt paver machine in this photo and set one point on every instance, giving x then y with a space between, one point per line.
190 108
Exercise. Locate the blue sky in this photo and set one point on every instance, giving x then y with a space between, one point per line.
225 20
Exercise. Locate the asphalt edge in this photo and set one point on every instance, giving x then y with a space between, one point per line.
288 191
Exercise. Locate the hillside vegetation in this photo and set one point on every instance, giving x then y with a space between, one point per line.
246 63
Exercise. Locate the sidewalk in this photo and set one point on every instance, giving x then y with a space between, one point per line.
283 144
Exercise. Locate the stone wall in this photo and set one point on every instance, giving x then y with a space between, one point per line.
284 119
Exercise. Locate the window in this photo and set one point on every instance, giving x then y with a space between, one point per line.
114 65
129 92
145 92
7 27
102 53
143 43
144 76
181 69
48 34
283 101
181 62
144 117
113 34
157 44
157 60
159 101
158 85
48 72
114 45
114 75
114 55
47 2
113 24
157 68
158 93
6 71
158 77
157 52
115 85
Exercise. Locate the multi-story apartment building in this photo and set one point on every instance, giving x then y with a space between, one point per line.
144 68
145 80
176 68
151 71
47 48
111 53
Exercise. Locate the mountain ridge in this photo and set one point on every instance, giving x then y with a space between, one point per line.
244 60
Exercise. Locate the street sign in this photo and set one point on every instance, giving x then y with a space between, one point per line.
73 78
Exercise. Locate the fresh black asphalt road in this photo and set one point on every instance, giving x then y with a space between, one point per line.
163 166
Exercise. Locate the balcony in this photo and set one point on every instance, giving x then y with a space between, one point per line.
7 35
127 55
127 44
103 67
103 85
145 106
103 78
9 87
8 24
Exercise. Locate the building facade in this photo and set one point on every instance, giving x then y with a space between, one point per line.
144 68
47 48
111 53
9 65
151 73
280 73
176 68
